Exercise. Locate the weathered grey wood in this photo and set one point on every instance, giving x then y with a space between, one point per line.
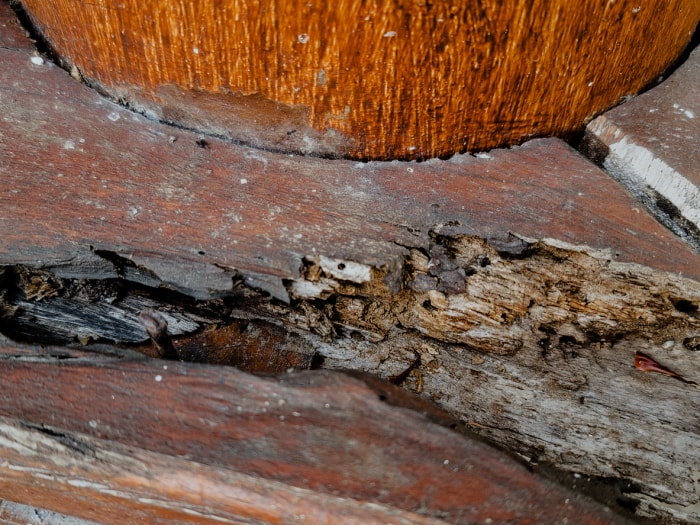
17 514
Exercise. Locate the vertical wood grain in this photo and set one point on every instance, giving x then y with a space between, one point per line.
396 79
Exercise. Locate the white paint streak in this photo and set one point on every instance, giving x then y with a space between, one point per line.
345 270
638 163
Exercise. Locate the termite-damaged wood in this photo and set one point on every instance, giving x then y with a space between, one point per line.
454 290
532 348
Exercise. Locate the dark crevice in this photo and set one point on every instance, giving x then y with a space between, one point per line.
42 45
66 439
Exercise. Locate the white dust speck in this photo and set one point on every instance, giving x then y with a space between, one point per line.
113 116
410 170
686 112
303 38
37 61
590 84
244 181
195 50
69 144
446 462
159 378
390 34
93 423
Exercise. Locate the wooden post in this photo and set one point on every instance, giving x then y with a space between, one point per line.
370 80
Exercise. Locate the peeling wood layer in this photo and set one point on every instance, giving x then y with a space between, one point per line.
492 336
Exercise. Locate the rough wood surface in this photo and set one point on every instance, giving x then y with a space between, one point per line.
210 444
12 513
513 288
652 145
379 79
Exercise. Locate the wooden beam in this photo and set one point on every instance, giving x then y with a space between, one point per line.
422 273
113 439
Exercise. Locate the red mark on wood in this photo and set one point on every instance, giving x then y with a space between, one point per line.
646 364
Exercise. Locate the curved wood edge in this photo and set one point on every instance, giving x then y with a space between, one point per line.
376 80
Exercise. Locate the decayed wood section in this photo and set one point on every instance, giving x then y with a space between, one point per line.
208 445
375 79
514 289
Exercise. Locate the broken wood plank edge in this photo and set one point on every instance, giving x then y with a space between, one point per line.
663 192
594 301
285 429
460 290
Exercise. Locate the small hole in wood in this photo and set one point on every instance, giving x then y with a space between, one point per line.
684 306
483 261
341 266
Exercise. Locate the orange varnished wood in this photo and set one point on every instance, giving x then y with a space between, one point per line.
378 79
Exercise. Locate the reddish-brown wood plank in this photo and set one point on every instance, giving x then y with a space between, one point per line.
113 484
81 172
324 432
652 144
12 34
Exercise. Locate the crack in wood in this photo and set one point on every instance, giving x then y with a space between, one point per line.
531 346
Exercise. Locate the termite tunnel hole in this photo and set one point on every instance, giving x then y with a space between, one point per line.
685 306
